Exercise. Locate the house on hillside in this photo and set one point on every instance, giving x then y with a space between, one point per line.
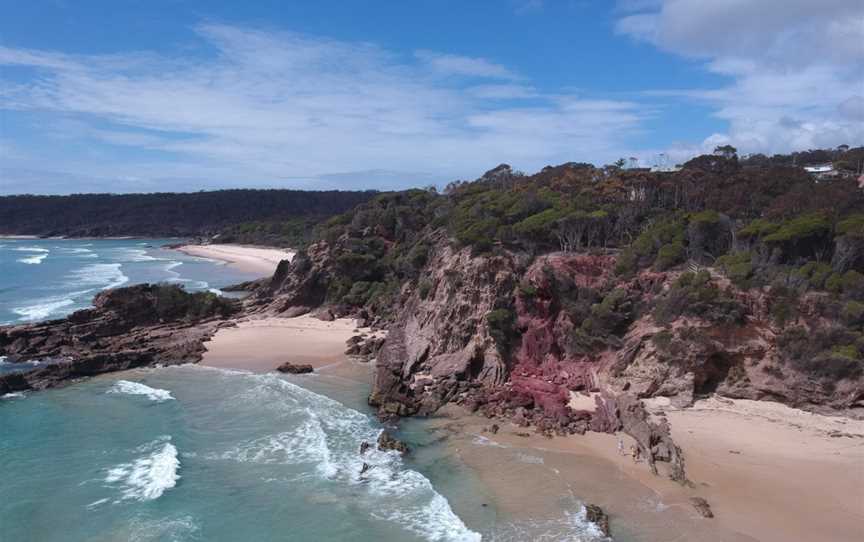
821 171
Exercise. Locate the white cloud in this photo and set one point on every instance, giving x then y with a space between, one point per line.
278 108
465 66
796 66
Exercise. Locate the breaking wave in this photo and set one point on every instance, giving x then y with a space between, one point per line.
136 388
99 275
328 440
149 476
571 526
33 260
42 309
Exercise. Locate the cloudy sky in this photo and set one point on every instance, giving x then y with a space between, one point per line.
142 96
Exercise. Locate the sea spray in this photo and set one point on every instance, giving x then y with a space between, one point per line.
147 477
328 439
33 260
136 388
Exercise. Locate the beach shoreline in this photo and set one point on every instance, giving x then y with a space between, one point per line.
251 259
770 473
260 345
758 489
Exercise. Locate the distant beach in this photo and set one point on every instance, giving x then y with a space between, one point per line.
244 258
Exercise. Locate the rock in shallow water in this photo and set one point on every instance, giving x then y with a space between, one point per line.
702 506
387 442
598 517
294 369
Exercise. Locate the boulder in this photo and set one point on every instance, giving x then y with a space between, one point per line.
294 369
702 506
598 517
387 442
324 314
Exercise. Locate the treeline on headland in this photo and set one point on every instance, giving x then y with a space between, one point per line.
274 217
598 256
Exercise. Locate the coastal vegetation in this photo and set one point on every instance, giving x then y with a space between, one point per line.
267 217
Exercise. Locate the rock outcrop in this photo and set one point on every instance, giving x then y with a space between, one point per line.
598 517
295 368
126 328
387 442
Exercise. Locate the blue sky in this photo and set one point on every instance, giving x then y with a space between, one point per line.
128 96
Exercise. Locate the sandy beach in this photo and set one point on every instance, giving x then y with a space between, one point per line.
262 261
770 473
261 345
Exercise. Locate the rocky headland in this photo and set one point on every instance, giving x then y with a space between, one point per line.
558 301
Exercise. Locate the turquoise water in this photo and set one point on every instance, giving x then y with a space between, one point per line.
50 278
191 453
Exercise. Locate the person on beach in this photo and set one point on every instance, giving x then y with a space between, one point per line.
620 446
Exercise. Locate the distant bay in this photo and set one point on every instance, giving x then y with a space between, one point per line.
51 278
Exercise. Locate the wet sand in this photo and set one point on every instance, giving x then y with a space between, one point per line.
770 473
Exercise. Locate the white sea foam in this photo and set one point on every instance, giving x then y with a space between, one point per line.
572 526
147 477
328 438
13 395
99 275
96 503
42 309
32 249
530 459
191 284
480 440
138 255
33 260
162 529
136 388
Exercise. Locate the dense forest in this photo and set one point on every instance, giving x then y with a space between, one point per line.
276 217
789 241
758 224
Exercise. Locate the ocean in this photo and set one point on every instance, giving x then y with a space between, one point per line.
191 453
50 278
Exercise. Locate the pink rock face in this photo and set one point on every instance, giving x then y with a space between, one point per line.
550 397
545 328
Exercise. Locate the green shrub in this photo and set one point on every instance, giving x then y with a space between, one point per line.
758 228
800 228
738 267
502 328
424 288
816 273
627 263
852 313
784 304
834 283
852 226
694 294
852 284
669 255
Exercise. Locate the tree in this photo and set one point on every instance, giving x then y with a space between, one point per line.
726 151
